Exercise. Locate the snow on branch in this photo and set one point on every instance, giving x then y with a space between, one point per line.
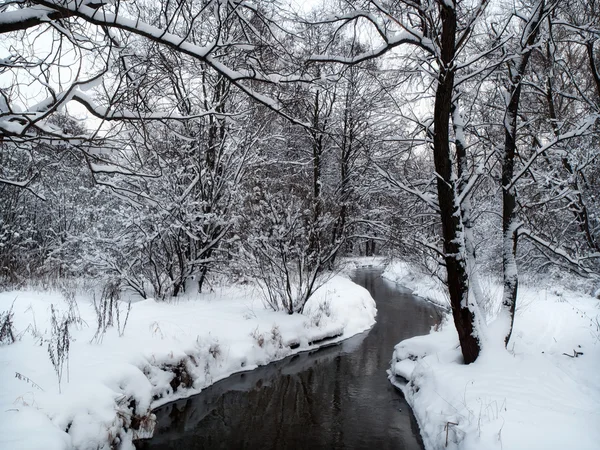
425 197
353 16
105 113
102 17
558 256
21 19
584 28
472 182
397 39
582 130
391 38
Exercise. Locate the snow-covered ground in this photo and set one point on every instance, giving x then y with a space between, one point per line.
531 397
168 350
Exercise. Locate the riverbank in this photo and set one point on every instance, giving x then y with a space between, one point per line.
420 283
542 393
111 381
332 398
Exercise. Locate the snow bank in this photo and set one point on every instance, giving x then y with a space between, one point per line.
422 284
530 397
351 263
168 351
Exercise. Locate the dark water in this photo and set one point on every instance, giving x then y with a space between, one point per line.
336 397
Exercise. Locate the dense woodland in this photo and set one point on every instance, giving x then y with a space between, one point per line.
265 142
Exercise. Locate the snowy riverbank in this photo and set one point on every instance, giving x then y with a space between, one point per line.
544 393
168 351
423 285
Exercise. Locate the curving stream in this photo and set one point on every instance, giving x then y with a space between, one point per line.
336 397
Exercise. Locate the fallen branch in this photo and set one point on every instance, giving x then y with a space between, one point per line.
574 355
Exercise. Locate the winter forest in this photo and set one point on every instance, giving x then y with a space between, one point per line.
166 164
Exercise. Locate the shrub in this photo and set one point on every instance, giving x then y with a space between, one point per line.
108 312
59 343
7 329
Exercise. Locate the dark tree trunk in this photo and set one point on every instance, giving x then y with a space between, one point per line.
370 247
317 154
339 231
452 227
202 277
593 67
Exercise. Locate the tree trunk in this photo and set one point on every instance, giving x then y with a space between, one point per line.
593 67
202 277
509 193
339 230
463 180
317 201
452 228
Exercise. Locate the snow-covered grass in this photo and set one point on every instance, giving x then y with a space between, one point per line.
168 351
536 395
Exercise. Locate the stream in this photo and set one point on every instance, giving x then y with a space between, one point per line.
335 397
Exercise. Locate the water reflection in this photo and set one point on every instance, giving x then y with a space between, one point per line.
337 397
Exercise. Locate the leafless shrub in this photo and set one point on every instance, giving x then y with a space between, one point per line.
258 337
276 337
283 250
7 328
73 312
59 343
32 328
122 323
286 284
264 338
108 312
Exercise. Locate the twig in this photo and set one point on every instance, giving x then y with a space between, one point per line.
447 428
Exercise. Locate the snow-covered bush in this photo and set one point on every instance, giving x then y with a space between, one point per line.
285 273
280 251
